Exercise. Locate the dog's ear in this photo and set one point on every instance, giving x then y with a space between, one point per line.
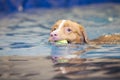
82 32
85 38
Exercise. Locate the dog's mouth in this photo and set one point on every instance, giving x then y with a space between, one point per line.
63 41
68 42
60 41
56 40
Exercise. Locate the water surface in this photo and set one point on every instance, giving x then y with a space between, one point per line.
26 33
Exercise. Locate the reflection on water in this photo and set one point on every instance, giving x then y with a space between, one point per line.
65 50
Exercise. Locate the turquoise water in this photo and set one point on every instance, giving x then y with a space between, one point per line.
26 33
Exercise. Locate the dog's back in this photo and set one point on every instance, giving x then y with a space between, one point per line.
107 39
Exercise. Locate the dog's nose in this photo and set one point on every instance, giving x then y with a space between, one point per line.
53 34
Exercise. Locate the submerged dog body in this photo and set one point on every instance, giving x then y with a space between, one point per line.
75 33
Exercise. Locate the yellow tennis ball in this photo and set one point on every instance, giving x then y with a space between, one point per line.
62 42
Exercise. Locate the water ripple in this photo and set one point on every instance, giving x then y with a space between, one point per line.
20 45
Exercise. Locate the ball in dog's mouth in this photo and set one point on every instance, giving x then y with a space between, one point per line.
61 42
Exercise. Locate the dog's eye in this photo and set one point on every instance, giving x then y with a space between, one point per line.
68 30
54 29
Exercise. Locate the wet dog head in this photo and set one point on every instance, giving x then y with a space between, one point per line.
68 30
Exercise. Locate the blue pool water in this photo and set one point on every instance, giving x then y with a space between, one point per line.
26 33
